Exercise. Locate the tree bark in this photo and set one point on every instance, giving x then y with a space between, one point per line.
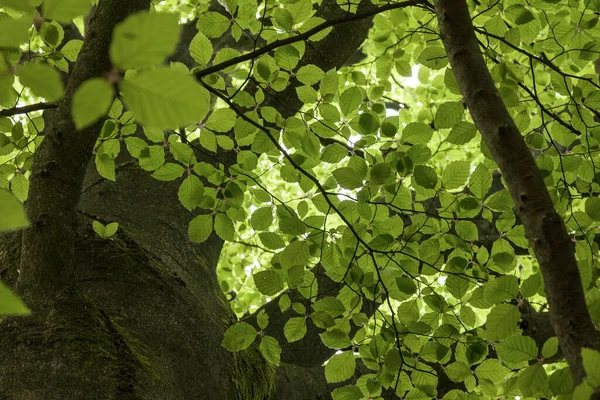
545 229
140 316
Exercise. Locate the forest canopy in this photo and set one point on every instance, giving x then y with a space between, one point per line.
403 195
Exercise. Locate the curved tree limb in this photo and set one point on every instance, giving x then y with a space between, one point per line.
545 229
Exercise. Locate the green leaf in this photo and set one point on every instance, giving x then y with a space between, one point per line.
14 31
213 24
550 347
425 176
332 306
350 392
458 371
296 253
221 120
11 304
517 349
20 5
201 49
143 40
43 80
493 370
271 240
309 74
71 49
533 381
461 133
239 337
12 212
518 14
191 192
19 185
433 57
168 172
466 230
91 101
224 227
380 174
500 201
480 182
449 114
591 361
340 367
111 229
334 153
350 99
592 208
105 166
105 231
501 289
262 319
270 349
262 219
268 282
502 321
200 228
347 178
406 285
456 174
165 98
66 10
154 159
417 133
295 329
457 286
561 381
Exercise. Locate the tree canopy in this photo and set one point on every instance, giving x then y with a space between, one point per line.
403 195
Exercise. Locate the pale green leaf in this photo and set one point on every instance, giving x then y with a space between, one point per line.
533 381
65 10
239 337
295 329
144 39
517 349
43 80
11 304
340 367
502 321
164 98
200 228
492 369
270 349
168 172
12 212
91 101
268 282
201 49
191 192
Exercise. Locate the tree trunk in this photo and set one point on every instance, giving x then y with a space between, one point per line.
139 316
545 229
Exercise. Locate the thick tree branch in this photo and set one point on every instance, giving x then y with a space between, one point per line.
8 112
304 36
60 164
544 227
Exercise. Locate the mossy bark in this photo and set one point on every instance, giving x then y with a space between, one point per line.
141 315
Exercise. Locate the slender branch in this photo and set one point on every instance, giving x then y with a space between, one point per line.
26 109
304 36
